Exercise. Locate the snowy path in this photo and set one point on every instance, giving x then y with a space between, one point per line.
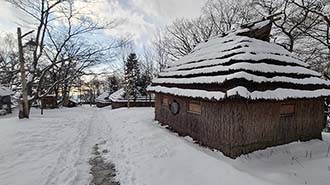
49 149
54 149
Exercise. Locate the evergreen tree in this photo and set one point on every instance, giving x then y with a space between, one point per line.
113 84
132 77
144 82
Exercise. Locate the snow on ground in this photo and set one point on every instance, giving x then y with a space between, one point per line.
145 153
326 137
47 149
54 149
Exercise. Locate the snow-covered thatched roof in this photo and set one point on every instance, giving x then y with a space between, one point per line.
103 98
119 96
5 91
241 64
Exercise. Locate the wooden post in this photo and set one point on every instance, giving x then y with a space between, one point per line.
25 107
79 96
9 105
41 107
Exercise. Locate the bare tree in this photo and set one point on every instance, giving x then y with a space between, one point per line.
320 8
148 61
161 55
8 60
148 70
182 35
59 43
178 39
219 17
292 26
226 15
320 33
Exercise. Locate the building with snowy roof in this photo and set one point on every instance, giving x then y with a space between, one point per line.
119 100
103 100
239 93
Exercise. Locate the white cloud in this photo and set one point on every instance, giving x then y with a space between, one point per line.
132 22
101 11
9 17
143 17
170 9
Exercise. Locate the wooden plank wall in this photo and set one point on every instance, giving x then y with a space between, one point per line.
239 126
116 105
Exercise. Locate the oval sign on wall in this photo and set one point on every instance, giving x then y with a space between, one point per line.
175 107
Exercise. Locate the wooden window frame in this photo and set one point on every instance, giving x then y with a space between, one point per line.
196 103
167 101
287 109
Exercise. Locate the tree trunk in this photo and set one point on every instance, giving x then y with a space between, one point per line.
65 95
24 107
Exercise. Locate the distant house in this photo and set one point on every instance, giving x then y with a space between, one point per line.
119 100
239 93
5 99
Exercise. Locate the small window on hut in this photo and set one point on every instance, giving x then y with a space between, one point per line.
165 101
194 107
287 109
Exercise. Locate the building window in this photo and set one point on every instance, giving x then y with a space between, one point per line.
287 109
165 101
175 107
194 107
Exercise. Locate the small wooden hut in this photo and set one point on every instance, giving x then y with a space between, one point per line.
5 99
239 93
49 102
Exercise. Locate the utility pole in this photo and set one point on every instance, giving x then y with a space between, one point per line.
24 104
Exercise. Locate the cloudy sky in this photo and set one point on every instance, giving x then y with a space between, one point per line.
143 17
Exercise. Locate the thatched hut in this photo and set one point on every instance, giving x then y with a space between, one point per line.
119 100
239 93
103 100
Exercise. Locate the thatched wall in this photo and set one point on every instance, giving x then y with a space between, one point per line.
116 105
102 104
239 126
